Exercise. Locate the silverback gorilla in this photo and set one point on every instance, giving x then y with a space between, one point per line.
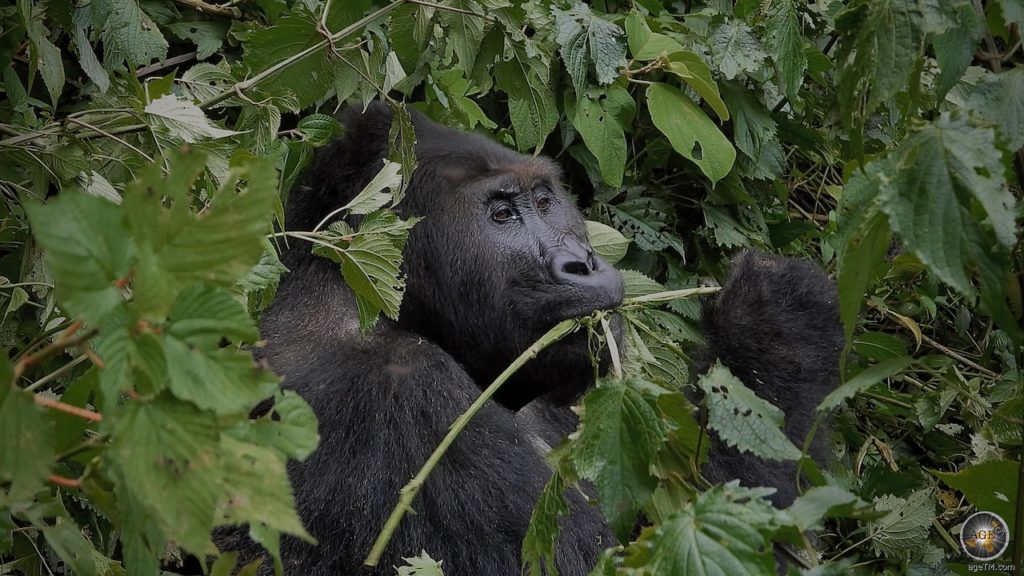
500 257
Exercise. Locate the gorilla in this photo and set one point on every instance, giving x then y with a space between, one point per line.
500 256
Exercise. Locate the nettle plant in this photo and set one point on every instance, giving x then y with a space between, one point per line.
147 147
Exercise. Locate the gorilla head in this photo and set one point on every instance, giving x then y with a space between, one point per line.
500 257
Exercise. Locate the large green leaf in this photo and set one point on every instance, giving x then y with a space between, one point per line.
862 381
905 525
879 45
722 533
742 419
531 104
690 131
620 433
370 260
947 198
217 247
607 242
165 460
256 489
601 118
128 33
990 486
26 440
786 43
87 251
588 40
310 77
1000 99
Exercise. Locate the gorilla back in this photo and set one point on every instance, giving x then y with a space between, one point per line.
500 257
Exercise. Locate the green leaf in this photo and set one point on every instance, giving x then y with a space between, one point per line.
166 462
989 486
318 129
735 50
786 44
224 380
184 119
174 245
541 538
637 284
862 381
879 45
954 47
290 427
587 40
821 502
648 222
84 239
722 532
309 78
373 196
370 261
465 31
531 103
128 33
88 61
256 489
940 171
64 536
694 71
690 131
619 435
204 81
606 241
999 98
645 44
422 565
755 132
402 147
742 419
208 35
26 440
858 262
905 526
600 119
51 65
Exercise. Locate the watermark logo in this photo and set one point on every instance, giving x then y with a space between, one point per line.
984 536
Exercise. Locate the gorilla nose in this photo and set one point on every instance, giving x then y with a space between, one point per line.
581 268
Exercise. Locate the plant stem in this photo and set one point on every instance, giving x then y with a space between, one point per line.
68 408
408 493
671 295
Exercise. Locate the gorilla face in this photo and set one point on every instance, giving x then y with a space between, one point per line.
501 256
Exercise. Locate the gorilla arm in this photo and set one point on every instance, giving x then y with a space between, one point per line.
775 325
473 510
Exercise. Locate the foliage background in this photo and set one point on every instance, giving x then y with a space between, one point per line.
147 147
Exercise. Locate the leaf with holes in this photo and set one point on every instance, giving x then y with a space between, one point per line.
586 39
742 419
690 131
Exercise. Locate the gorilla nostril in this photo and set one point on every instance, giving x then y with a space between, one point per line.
577 268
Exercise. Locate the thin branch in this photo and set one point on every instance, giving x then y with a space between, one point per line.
65 482
246 84
222 11
172 61
67 408
451 9
117 139
67 340
408 493
56 373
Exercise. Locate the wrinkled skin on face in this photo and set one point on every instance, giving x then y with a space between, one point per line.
500 257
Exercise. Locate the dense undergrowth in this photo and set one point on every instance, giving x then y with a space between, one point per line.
146 148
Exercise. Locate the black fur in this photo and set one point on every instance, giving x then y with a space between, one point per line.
478 294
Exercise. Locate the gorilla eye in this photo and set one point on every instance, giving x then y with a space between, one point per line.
543 203
504 214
